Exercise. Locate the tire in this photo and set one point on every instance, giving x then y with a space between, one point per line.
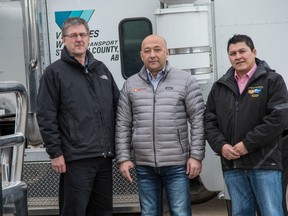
198 193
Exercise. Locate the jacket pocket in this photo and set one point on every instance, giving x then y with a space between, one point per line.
72 130
179 139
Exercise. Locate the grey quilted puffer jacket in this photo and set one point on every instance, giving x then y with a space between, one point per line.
154 123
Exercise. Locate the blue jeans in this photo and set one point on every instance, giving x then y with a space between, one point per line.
248 188
152 180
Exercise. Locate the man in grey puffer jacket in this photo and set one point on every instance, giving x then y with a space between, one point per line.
152 116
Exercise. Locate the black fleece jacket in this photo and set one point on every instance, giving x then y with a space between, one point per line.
257 117
76 108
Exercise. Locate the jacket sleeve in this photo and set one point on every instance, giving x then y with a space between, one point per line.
213 134
47 109
195 110
123 126
276 119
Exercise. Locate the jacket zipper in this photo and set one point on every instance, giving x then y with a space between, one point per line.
89 79
153 121
235 129
154 114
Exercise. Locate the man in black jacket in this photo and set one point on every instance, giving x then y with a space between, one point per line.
77 102
245 116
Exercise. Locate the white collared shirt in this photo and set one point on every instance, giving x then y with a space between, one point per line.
155 81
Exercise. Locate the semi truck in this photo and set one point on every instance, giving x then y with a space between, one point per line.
196 32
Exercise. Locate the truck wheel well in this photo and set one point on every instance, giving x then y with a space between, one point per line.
198 193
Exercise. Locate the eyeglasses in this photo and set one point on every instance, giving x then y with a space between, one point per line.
75 35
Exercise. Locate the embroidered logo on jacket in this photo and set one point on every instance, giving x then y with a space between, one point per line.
104 77
169 88
255 91
139 89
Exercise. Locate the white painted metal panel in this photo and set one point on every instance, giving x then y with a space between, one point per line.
11 43
104 23
265 21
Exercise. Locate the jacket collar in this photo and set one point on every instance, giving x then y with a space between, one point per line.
262 68
92 62
143 72
229 80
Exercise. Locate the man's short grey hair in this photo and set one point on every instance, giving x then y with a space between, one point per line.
73 21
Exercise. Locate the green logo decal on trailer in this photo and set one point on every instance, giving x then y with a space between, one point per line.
61 16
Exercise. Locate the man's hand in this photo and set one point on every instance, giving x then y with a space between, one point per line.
194 168
240 148
229 152
58 164
125 168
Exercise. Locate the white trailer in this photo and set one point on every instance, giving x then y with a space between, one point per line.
196 32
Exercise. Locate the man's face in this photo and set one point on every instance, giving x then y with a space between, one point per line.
154 53
76 40
241 57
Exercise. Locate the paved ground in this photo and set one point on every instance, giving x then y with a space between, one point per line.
214 207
